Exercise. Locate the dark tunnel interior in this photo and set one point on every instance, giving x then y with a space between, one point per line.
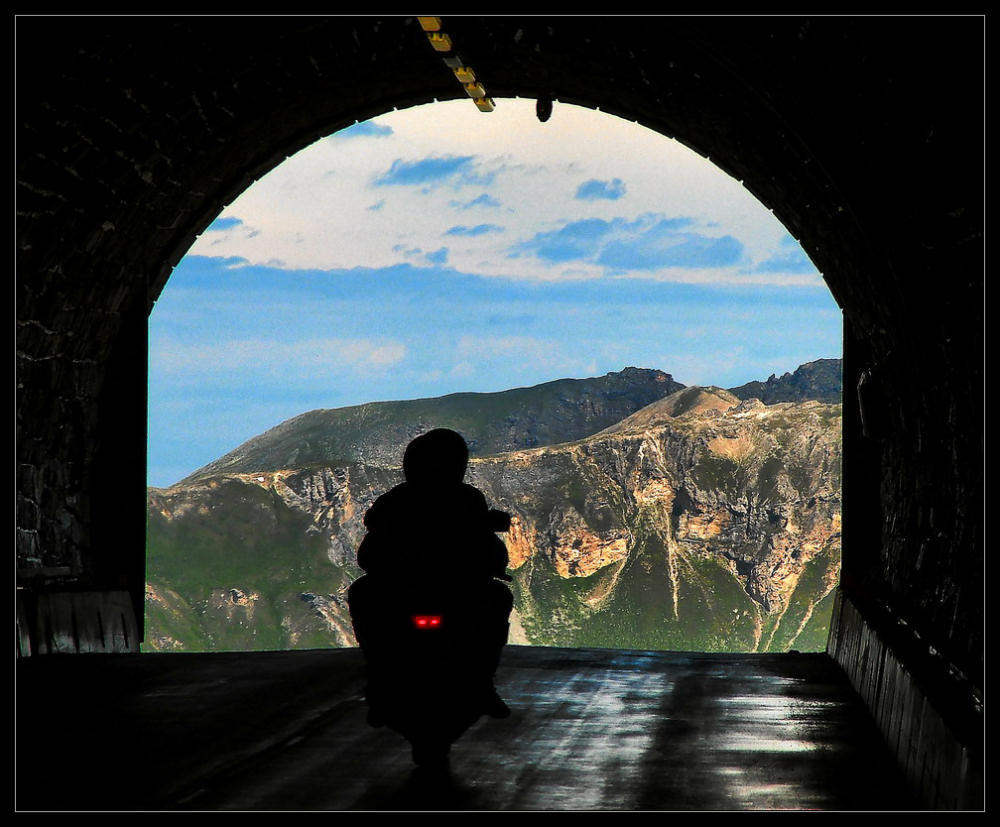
864 136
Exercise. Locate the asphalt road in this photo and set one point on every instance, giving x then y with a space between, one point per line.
590 730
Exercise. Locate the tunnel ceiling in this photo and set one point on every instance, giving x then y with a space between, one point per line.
825 120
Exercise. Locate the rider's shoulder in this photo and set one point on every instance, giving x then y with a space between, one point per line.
387 504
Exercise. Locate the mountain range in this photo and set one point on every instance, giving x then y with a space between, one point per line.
646 515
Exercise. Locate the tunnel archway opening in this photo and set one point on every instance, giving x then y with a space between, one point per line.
869 153
598 248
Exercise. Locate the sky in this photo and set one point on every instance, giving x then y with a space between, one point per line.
440 249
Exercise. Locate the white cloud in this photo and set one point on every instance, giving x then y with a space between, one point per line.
322 209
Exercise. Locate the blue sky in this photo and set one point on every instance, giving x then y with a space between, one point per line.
441 249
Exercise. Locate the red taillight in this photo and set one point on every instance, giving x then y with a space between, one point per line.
427 621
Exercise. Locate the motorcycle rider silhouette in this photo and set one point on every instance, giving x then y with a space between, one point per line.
432 562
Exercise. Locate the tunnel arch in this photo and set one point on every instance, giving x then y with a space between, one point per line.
134 132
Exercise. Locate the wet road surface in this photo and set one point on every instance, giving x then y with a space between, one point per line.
590 729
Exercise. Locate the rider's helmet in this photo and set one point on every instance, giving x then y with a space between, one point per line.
438 457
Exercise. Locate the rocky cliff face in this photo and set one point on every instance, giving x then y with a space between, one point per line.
699 522
710 529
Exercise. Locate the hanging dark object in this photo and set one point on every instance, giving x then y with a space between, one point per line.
543 107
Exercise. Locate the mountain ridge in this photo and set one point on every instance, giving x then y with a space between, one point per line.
556 411
553 412
820 380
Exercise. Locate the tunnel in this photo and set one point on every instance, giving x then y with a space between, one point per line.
864 135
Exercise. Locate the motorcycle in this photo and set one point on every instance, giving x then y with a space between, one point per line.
431 656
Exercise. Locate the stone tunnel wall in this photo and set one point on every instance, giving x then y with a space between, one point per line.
864 135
